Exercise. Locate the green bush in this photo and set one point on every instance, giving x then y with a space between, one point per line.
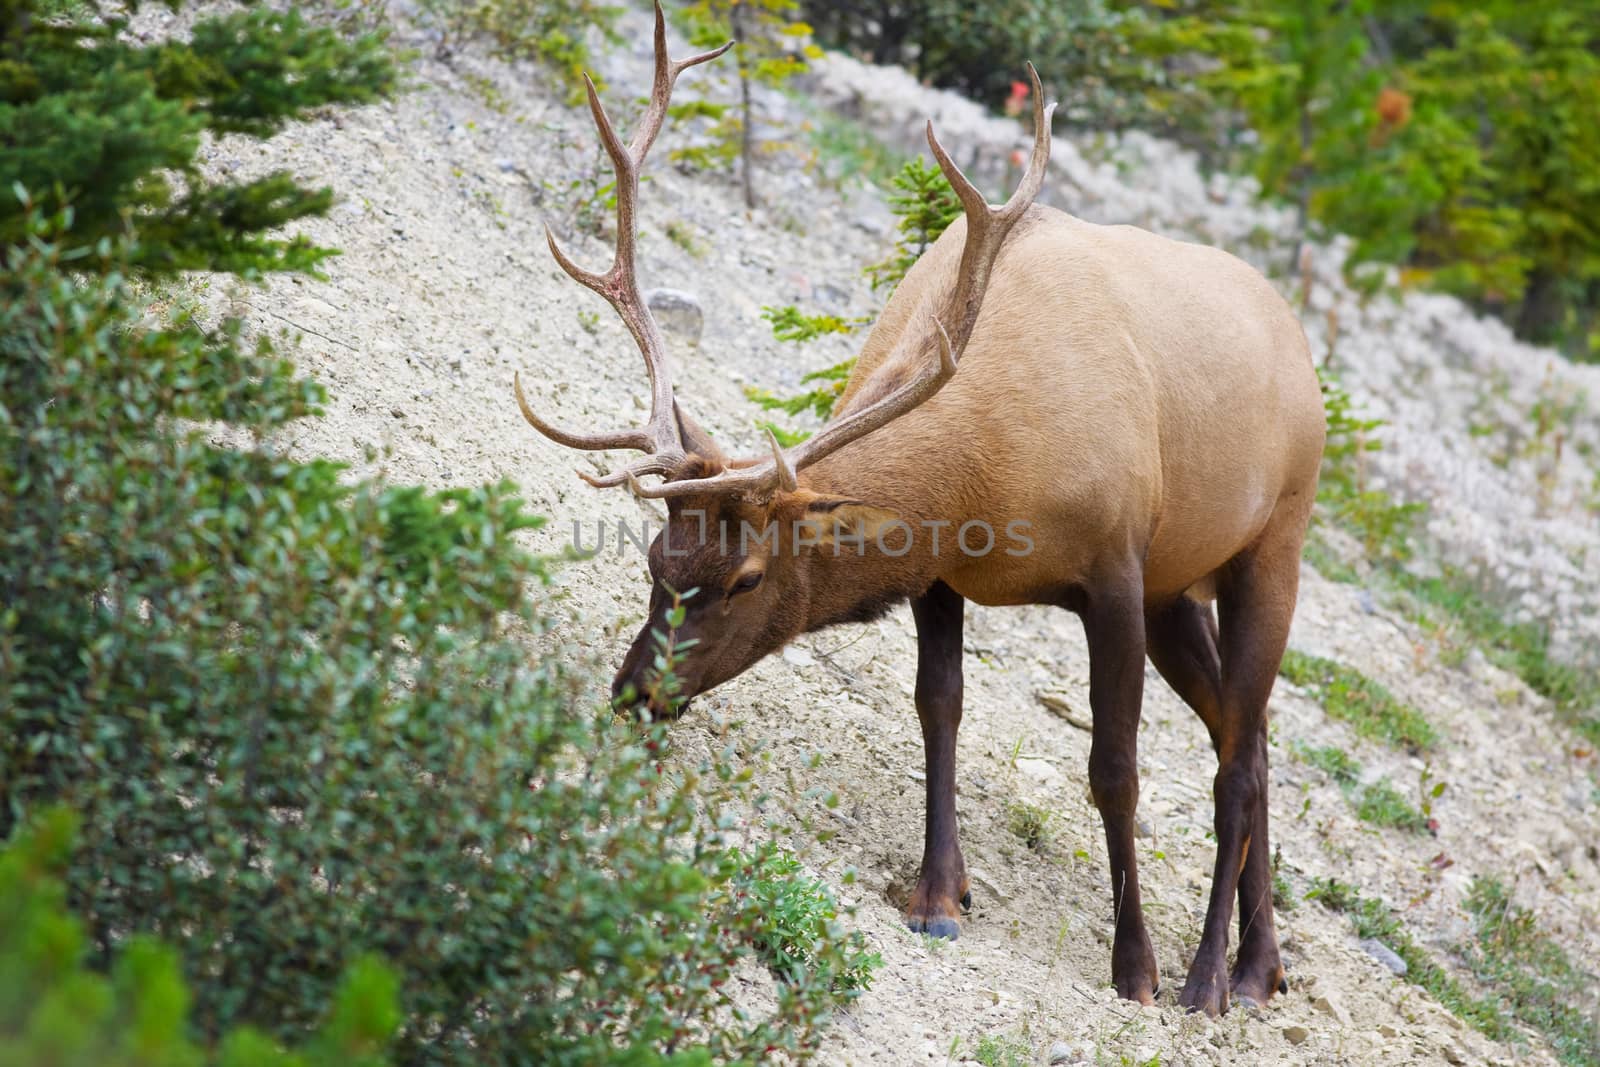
53 1010
302 717
293 714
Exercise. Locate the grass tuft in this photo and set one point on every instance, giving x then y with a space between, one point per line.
1528 980
1353 698
1379 803
1033 826
1537 982
1003 1050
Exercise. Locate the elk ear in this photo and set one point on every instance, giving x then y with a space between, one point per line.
842 521
696 441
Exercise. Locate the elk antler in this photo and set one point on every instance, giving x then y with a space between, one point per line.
987 228
620 284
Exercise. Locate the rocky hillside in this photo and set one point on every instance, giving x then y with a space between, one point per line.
445 288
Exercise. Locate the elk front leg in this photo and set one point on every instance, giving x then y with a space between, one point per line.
1113 623
942 886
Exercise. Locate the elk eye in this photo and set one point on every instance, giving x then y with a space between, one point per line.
747 583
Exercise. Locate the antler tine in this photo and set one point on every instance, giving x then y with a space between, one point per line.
590 442
988 226
620 283
756 480
987 229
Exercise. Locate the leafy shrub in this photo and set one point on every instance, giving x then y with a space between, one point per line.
295 712
299 730
797 918
53 1010
978 46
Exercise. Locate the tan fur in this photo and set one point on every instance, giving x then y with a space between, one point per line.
1125 393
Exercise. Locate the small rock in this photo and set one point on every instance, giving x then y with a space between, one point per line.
678 312
1452 1053
1141 828
871 224
1061 1052
798 657
1296 1035
1330 1004
1384 955
981 877
1385 1030
1037 769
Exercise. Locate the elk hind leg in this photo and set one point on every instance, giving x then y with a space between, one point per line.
1182 638
1256 600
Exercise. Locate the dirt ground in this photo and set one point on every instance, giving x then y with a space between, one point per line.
445 288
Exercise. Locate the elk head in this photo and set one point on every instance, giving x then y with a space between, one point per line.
748 534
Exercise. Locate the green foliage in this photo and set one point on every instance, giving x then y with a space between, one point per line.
299 729
1372 918
1539 984
771 47
1002 1050
1351 697
797 918
1031 824
296 711
92 118
1379 803
1451 603
1384 527
980 46
1452 138
54 1010
926 205
550 31
790 324
1526 978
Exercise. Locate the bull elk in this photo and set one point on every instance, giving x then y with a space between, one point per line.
1147 406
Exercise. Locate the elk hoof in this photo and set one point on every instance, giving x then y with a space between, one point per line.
966 901
1257 979
1206 989
934 926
